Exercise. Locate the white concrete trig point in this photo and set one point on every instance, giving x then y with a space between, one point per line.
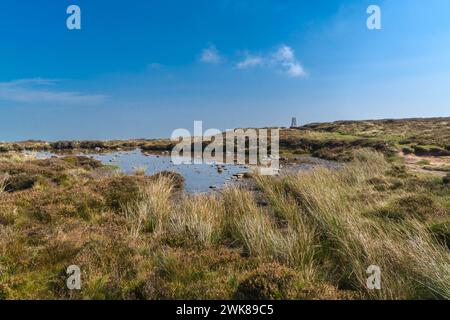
294 122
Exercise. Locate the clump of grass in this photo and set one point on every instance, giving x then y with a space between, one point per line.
197 220
269 282
139 171
17 157
190 273
298 234
246 224
442 232
421 206
121 190
151 210
3 183
256 230
20 182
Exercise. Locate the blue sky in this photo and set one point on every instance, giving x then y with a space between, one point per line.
145 68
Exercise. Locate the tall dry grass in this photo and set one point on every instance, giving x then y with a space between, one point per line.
298 232
17 157
197 219
412 263
3 183
315 222
151 210
258 231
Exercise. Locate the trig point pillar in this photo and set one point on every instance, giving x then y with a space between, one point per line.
294 122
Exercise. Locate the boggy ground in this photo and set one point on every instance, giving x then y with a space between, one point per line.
301 236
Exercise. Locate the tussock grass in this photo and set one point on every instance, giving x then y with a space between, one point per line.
17 157
3 182
198 219
252 227
353 241
140 170
299 235
150 212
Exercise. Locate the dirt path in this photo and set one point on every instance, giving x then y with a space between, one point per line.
438 166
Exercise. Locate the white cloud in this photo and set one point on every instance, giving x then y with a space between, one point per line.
281 59
249 62
295 70
284 59
210 55
36 90
284 53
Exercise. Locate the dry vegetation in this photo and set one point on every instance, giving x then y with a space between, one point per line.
422 137
335 140
305 236
426 131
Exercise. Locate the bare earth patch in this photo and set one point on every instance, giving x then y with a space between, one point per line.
436 165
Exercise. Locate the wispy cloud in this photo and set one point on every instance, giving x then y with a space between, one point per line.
250 61
282 59
210 55
37 90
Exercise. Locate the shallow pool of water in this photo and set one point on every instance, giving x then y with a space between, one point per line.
198 177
